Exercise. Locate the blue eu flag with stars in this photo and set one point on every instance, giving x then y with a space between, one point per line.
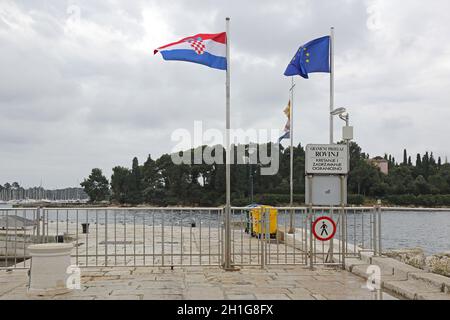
311 57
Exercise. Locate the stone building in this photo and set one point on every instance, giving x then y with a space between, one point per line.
381 164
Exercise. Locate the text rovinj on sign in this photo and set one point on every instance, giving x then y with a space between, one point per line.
326 159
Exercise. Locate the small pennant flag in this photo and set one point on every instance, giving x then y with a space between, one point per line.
287 128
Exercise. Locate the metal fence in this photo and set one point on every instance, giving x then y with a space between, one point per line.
358 230
253 243
18 229
187 236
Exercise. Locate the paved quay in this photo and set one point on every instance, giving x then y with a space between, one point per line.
404 280
203 283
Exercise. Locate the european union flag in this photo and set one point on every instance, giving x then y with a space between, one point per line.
312 57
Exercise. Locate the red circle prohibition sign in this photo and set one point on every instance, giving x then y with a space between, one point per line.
331 236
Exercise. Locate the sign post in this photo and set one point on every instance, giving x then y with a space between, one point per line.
325 166
326 171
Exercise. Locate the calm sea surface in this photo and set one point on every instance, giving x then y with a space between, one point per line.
427 230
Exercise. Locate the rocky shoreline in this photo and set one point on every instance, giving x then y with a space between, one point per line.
437 263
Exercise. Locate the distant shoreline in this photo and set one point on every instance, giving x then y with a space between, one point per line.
415 209
85 205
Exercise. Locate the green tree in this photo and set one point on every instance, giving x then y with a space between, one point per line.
161 182
96 186
134 184
418 161
152 182
379 189
421 185
438 184
362 174
119 184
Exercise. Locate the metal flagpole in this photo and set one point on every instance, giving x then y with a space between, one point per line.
227 262
331 83
330 257
291 129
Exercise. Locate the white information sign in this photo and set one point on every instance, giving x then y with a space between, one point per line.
324 190
328 159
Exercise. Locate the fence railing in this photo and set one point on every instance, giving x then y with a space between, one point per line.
169 237
18 229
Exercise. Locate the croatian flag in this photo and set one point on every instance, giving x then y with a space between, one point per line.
207 49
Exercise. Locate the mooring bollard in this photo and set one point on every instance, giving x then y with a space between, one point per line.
49 263
378 212
59 238
85 227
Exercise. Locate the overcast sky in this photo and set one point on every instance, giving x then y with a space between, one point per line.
80 87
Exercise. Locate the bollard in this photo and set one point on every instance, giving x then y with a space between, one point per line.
49 263
259 236
85 227
59 238
38 225
380 250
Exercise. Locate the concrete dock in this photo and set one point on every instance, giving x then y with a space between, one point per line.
203 283
286 276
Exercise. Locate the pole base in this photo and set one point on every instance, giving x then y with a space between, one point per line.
330 260
231 268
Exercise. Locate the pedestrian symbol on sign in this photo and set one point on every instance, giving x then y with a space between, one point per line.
324 229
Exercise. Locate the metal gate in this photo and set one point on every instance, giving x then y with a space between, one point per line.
140 236
257 246
358 230
170 237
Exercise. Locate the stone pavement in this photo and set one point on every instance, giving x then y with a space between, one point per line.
203 283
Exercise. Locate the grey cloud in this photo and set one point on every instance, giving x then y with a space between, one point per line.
91 93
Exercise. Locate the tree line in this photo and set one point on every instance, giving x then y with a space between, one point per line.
160 182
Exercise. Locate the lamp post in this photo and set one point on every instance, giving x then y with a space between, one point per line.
347 131
251 183
248 160
347 135
338 111
250 175
251 152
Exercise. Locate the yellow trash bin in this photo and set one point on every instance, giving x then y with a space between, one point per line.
257 215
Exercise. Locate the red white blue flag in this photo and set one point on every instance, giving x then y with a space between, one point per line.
207 49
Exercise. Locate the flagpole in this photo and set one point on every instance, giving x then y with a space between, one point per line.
291 129
227 262
331 83
330 257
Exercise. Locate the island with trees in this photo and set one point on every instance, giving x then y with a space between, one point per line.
160 182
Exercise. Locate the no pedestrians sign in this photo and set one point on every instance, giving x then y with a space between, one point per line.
324 229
